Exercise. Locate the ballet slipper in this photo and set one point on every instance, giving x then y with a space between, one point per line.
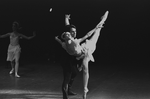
11 71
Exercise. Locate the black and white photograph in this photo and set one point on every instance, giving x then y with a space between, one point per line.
74 49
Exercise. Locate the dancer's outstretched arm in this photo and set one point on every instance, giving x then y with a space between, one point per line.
5 35
23 36
58 40
63 44
67 18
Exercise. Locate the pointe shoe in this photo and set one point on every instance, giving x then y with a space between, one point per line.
84 96
85 93
16 75
11 71
104 17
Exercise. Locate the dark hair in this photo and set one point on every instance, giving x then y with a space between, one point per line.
16 25
72 26
68 27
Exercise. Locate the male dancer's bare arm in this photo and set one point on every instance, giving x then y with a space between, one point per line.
67 18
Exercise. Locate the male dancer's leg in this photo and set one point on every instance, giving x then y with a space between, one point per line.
67 74
74 63
66 80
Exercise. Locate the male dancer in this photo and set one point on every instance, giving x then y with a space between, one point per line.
14 49
68 63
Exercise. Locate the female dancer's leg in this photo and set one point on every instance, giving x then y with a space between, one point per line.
91 47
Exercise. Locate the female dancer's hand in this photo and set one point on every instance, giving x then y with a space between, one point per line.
56 37
34 33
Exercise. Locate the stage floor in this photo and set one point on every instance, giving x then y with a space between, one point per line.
43 81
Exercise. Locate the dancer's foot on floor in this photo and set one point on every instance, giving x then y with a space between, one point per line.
84 95
11 71
71 93
16 75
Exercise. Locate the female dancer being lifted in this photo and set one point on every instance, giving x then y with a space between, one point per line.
83 50
14 49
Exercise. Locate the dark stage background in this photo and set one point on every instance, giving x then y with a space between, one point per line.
124 38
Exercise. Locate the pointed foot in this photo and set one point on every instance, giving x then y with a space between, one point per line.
12 71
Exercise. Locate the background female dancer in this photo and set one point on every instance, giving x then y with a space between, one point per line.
14 49
84 50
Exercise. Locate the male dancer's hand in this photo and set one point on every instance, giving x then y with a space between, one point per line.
67 16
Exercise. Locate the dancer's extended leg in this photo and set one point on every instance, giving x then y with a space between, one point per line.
91 43
91 46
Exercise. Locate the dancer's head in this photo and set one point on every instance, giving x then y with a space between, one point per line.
72 30
66 36
15 26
